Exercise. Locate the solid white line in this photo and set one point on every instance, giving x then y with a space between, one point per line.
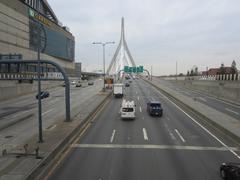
222 143
152 146
178 133
112 137
145 134
140 109
229 110
47 112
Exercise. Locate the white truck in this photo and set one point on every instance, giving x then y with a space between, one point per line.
118 90
128 109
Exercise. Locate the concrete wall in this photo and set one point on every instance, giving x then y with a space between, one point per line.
12 89
227 90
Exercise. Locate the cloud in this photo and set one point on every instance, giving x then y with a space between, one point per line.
158 32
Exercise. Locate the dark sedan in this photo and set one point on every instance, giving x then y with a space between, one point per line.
43 94
90 83
127 85
230 171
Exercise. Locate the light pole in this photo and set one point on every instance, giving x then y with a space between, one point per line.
103 45
40 136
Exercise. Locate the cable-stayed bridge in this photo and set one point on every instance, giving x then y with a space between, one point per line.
122 56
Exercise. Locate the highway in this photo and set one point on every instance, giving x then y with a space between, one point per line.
23 112
172 147
220 105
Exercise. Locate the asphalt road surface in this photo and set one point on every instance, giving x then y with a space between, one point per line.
222 106
24 111
172 147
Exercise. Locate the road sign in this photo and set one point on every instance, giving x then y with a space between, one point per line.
138 69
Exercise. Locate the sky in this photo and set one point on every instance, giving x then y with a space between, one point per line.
159 33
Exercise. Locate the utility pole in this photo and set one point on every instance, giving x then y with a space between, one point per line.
151 72
176 70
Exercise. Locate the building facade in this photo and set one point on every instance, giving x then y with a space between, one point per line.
19 33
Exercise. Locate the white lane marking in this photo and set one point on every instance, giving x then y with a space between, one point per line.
22 113
145 134
50 127
47 112
214 98
153 146
181 137
136 92
140 109
229 110
138 98
205 129
201 98
112 137
169 131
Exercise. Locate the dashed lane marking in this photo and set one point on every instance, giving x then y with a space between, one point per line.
140 109
145 136
181 137
152 146
112 137
205 129
47 112
201 98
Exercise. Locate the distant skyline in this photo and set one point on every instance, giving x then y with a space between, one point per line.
158 32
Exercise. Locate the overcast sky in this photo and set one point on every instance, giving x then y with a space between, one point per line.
160 33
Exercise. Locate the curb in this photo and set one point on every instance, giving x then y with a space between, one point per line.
199 114
42 168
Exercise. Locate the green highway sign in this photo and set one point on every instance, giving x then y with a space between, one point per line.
138 69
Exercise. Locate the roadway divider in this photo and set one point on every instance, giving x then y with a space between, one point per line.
206 114
57 141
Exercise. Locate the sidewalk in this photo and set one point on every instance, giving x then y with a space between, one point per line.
21 164
224 122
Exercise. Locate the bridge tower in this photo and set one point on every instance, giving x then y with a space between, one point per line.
122 56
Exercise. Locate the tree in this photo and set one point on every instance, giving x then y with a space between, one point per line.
188 73
191 73
196 71
222 70
233 69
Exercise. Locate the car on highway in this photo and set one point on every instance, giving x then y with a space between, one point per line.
43 94
230 171
90 83
78 84
127 110
127 84
73 83
154 108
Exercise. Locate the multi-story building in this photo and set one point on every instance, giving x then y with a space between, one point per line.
19 33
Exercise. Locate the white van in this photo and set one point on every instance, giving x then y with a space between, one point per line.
127 110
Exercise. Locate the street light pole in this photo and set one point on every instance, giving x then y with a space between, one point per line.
40 136
103 45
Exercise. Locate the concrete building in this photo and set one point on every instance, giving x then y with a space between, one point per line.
18 33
